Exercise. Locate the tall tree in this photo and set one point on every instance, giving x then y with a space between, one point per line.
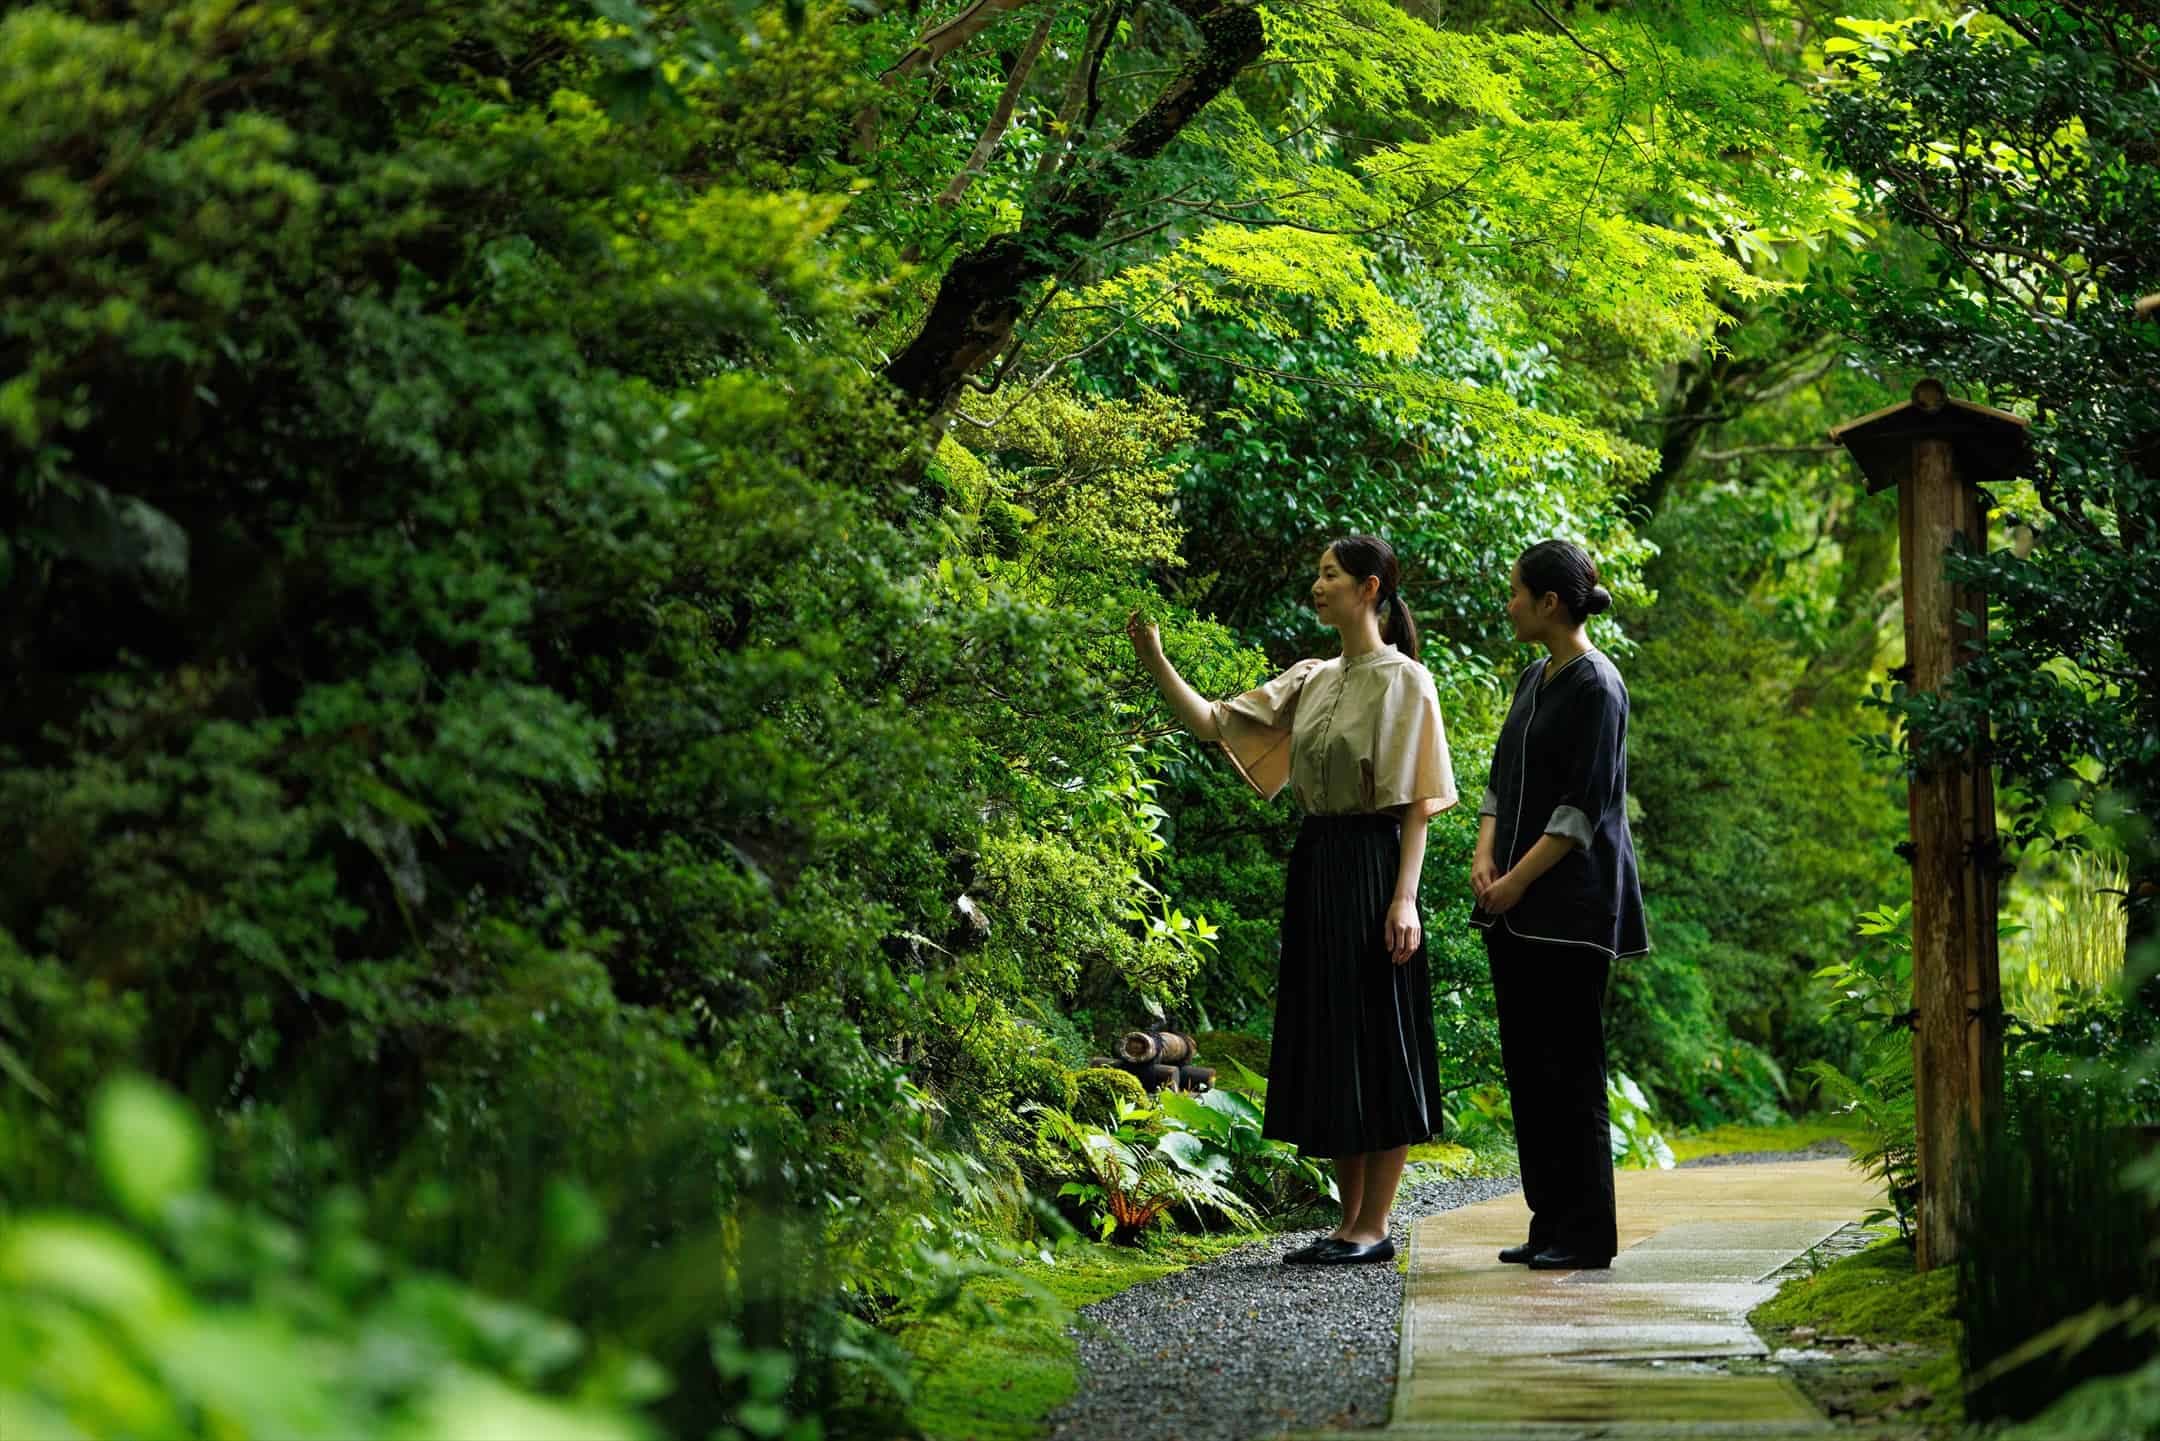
2022 144
1191 159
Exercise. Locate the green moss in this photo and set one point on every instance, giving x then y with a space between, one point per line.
1875 1295
1215 1048
1731 1140
994 1369
1097 1091
1906 1370
1453 1162
1042 1078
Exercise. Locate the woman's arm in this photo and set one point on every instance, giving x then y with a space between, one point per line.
1403 931
1501 896
1194 713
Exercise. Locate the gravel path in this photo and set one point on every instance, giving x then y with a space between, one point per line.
1243 1346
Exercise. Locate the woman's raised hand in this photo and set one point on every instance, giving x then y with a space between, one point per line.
1146 639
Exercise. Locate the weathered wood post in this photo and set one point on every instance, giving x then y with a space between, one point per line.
1938 452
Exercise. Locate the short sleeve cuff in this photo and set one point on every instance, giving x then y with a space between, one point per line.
1426 807
1570 822
1490 806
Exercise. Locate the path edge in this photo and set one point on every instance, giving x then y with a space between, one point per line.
1403 1327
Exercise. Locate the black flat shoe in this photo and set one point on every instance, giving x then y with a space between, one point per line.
1554 1259
1304 1254
1520 1255
1353 1253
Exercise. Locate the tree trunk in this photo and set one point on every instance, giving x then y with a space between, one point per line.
982 296
1957 999
1694 410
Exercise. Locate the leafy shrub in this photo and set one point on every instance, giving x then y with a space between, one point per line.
1874 987
196 1317
1668 1029
1128 1177
1220 1129
1637 1144
1481 1119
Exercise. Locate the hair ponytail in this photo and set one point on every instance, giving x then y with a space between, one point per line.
1398 629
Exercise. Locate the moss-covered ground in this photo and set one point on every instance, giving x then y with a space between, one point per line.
1736 1140
1889 1336
1448 1161
998 1380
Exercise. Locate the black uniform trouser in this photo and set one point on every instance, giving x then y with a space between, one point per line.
1551 1002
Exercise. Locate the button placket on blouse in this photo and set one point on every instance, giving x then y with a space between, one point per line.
1326 728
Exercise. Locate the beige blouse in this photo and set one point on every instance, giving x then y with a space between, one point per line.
1362 734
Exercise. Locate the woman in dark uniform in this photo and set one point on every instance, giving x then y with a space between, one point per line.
1353 1073
1557 897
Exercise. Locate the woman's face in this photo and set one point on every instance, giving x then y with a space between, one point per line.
1522 608
1337 594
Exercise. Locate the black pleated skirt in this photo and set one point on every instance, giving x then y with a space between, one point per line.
1355 1066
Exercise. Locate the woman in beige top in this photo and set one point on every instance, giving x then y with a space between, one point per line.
1353 1072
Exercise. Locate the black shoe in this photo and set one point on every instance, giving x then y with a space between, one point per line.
1552 1258
1520 1255
1353 1253
1304 1254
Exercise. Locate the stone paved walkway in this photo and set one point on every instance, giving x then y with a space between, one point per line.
1646 1350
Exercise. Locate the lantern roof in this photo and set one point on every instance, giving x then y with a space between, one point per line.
1990 444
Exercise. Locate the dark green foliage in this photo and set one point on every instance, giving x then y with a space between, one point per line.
480 659
614 820
1758 823
2016 146
1227 1050
2053 1175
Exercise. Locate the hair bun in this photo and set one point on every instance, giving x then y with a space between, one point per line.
1599 602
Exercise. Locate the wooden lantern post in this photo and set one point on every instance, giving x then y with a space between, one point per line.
1937 452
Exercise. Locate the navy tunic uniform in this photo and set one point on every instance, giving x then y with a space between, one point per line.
1560 768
